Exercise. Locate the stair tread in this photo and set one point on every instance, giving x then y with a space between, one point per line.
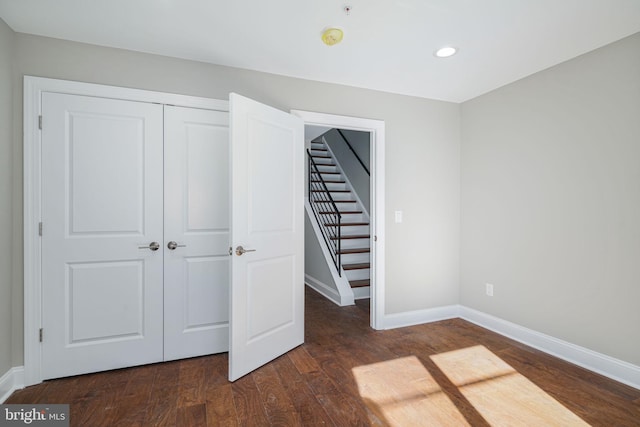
337 201
329 182
358 266
354 251
329 173
352 236
346 224
360 283
321 157
331 191
341 212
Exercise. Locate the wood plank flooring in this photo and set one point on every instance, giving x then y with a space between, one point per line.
346 374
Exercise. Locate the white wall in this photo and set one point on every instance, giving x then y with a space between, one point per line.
422 159
551 201
6 179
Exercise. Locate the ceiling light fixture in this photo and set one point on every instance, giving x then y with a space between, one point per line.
332 36
445 52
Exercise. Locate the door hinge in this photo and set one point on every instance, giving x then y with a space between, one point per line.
40 229
375 238
40 122
40 334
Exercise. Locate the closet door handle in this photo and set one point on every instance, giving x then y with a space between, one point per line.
154 246
173 245
240 250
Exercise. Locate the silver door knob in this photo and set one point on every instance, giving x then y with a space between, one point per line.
240 250
172 245
154 246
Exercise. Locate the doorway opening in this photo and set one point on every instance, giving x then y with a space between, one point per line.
355 238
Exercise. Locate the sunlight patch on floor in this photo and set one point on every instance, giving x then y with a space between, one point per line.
499 393
403 393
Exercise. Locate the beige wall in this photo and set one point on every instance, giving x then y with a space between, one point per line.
422 158
551 201
6 148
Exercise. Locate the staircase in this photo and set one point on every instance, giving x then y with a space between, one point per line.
346 231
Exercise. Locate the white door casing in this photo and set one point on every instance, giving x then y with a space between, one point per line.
267 207
101 195
196 219
376 129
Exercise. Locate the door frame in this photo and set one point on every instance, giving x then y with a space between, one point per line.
376 128
33 89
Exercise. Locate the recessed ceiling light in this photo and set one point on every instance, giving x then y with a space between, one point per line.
445 52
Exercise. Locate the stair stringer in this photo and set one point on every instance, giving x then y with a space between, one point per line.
345 293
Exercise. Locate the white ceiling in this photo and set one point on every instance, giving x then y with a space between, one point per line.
388 44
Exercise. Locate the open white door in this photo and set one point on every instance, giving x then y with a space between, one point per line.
267 229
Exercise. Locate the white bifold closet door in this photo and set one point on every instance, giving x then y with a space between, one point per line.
135 263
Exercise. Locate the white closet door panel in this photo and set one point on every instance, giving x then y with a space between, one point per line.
197 219
102 201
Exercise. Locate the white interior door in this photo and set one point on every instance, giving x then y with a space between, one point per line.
196 246
101 211
267 291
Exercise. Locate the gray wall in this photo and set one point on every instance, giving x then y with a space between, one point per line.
6 155
422 155
350 165
360 141
551 201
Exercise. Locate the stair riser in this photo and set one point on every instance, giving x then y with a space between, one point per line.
324 161
358 229
354 258
362 293
332 186
354 243
357 274
345 206
337 197
345 217
353 218
324 167
341 196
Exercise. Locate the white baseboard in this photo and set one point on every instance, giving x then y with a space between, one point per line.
326 291
610 367
11 381
417 317
615 369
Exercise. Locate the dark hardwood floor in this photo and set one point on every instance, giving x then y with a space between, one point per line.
348 374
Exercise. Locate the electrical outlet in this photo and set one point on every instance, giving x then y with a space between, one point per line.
398 217
489 287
